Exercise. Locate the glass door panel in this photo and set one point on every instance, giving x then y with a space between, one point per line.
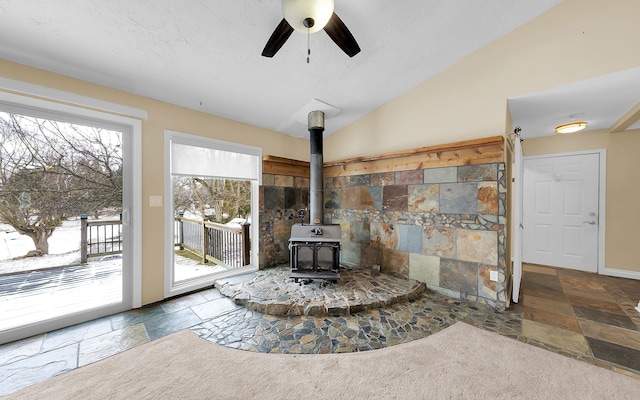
62 236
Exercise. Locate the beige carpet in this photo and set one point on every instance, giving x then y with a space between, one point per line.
461 362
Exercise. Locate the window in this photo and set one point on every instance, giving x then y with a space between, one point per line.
211 209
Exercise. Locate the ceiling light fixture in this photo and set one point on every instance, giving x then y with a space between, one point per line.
571 127
308 16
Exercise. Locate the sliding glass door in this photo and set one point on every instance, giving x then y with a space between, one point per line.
64 220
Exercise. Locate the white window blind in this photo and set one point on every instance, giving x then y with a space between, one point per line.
214 162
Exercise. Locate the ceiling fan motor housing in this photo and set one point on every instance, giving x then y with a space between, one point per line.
308 22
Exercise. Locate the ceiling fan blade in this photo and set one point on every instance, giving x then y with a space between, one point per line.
340 34
277 39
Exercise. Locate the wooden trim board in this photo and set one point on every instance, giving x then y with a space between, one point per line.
284 166
478 151
470 152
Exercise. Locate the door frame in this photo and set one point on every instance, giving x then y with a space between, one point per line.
602 194
516 224
14 93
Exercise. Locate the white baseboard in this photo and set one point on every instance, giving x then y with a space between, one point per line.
620 273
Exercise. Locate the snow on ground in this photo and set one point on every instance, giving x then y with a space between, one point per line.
64 248
64 240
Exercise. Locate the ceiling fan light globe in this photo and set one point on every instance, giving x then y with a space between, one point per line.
296 11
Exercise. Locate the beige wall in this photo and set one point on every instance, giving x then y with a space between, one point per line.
161 116
623 187
468 100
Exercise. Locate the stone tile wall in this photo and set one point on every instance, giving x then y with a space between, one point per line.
442 226
281 196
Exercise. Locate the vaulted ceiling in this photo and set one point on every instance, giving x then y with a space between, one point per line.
205 54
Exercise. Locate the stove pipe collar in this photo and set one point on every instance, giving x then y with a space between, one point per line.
316 120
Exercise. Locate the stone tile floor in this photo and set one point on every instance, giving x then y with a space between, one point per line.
584 316
367 330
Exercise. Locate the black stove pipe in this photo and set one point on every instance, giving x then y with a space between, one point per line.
316 186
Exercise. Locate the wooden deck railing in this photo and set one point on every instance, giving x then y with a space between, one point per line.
99 237
217 243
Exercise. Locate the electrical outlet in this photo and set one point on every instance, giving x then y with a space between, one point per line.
493 276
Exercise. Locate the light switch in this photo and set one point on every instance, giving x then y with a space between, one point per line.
155 201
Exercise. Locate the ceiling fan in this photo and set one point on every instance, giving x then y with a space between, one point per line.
310 16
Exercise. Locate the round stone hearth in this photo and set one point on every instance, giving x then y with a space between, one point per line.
271 291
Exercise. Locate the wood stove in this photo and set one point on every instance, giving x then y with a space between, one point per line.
315 252
315 248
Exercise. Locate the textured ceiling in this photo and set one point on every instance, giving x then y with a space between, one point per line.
205 54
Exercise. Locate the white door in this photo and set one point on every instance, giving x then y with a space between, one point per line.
561 195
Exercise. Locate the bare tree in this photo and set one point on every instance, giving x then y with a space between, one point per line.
227 197
50 171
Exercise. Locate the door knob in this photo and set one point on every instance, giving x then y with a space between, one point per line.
590 222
